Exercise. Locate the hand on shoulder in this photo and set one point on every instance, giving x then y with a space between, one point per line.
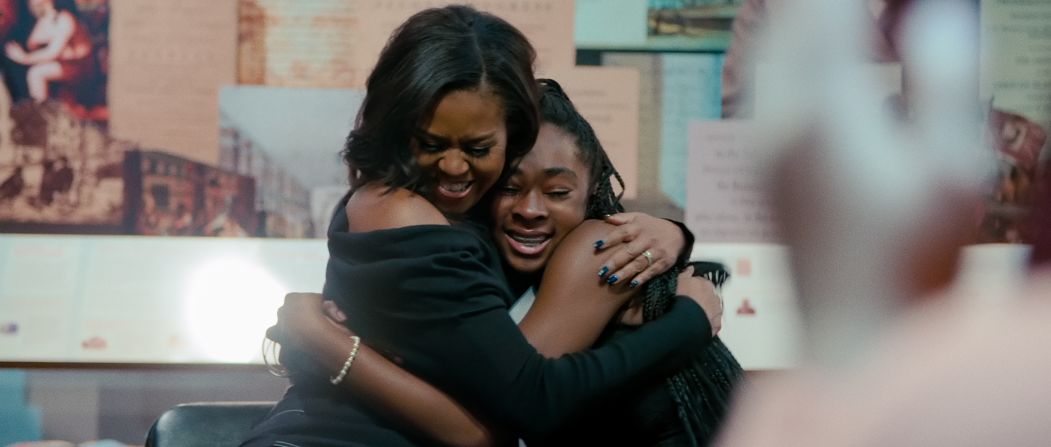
576 262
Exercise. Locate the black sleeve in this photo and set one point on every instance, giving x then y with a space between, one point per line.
436 298
687 249
503 376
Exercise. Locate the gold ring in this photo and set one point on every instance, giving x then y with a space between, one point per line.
649 258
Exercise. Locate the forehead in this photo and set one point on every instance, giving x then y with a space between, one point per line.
554 148
465 110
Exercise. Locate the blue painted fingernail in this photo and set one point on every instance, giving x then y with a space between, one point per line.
612 279
603 272
634 283
599 244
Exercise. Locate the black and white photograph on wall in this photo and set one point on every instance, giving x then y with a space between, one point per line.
297 168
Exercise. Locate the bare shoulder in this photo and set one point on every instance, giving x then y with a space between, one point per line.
575 263
378 208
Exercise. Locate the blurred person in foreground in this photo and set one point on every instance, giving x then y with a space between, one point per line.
1016 140
876 212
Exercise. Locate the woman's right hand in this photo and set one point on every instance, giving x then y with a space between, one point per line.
702 292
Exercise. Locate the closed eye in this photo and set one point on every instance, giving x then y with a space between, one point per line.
430 147
479 151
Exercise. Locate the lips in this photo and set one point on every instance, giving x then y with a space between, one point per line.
528 243
454 190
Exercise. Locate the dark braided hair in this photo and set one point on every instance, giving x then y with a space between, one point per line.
701 390
557 109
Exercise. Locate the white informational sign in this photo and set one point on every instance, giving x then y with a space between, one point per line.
761 322
147 299
166 300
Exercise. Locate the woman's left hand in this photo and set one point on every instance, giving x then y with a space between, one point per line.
639 249
301 314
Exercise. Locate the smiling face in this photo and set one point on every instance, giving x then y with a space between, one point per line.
462 149
544 199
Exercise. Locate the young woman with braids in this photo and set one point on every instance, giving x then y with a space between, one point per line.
684 409
564 182
451 102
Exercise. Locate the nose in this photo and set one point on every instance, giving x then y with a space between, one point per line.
454 164
530 207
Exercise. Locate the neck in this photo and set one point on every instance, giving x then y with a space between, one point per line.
521 281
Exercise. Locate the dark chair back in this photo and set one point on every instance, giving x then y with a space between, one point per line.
203 424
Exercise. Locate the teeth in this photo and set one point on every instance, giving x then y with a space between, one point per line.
455 187
533 240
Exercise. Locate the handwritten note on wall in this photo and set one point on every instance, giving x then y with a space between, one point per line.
725 200
298 43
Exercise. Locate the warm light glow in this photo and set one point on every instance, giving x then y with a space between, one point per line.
229 304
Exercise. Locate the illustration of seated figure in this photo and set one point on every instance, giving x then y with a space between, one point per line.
58 48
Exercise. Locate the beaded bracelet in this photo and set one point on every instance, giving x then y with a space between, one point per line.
350 359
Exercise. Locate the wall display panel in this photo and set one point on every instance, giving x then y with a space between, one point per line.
134 77
690 23
335 43
656 25
112 299
298 43
1016 57
53 118
674 88
666 25
1016 84
168 60
548 24
608 97
762 325
690 91
288 140
610 23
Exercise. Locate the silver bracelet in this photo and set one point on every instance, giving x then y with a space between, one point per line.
350 359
